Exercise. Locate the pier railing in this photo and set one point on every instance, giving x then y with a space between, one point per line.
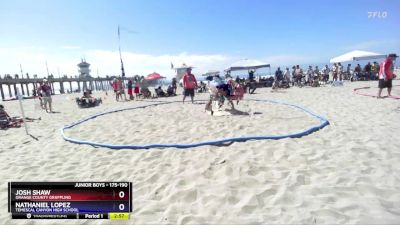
88 83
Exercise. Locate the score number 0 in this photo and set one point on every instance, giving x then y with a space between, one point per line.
121 206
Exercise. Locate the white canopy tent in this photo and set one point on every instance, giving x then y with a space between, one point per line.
211 73
247 64
357 55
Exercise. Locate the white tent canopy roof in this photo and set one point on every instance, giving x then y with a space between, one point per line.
247 64
211 73
357 55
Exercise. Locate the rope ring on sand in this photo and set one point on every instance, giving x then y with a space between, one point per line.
356 91
323 122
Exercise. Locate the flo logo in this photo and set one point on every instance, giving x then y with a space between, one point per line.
377 15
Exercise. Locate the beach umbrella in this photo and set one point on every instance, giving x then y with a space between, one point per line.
357 55
154 76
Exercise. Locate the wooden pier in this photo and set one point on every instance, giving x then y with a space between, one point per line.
88 83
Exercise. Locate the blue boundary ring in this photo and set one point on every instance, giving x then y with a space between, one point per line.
323 122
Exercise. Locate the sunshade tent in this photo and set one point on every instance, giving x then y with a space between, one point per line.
211 73
357 55
247 64
154 76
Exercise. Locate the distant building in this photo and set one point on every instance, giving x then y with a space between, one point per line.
84 71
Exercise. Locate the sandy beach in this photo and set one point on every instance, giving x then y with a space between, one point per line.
346 173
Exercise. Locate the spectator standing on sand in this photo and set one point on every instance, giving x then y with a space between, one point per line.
340 71
130 87
189 84
386 74
252 83
367 69
374 71
309 75
40 94
174 85
115 86
293 78
357 72
121 86
46 92
286 75
325 72
316 74
299 74
137 88
348 72
334 72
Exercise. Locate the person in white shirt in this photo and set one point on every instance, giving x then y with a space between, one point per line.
325 72
286 75
299 74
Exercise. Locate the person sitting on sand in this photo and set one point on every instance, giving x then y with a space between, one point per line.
160 92
87 96
87 100
170 91
145 92
6 121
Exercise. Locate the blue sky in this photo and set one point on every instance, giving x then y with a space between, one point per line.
207 34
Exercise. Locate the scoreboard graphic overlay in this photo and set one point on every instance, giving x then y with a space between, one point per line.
70 200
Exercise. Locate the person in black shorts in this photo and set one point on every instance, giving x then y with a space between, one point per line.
386 74
189 84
